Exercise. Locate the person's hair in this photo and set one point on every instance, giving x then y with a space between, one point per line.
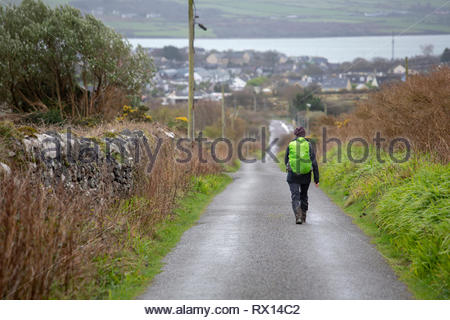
300 132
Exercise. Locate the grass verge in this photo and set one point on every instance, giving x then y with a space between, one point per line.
144 260
146 254
280 157
405 208
233 167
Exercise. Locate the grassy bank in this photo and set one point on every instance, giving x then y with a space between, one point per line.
234 166
280 157
145 253
405 208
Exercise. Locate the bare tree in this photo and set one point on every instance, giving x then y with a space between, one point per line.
427 49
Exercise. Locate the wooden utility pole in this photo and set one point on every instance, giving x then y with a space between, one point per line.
308 106
191 72
393 46
223 111
407 68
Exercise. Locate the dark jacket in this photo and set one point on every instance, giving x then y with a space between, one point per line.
303 178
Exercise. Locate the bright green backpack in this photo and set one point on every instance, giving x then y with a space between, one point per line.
299 158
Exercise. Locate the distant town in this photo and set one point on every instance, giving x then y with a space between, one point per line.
267 72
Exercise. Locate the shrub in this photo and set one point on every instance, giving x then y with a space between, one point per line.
52 116
418 110
60 59
445 58
134 114
257 82
305 100
179 123
11 150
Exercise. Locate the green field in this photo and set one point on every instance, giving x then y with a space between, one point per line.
272 18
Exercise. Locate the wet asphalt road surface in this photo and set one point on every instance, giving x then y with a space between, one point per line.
247 246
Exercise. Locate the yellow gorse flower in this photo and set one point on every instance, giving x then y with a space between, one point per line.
341 124
182 119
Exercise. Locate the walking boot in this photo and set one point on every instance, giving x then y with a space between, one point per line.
303 216
298 215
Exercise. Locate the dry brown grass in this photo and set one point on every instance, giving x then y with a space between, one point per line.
50 237
418 110
47 237
206 113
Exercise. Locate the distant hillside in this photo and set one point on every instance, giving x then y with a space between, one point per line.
270 18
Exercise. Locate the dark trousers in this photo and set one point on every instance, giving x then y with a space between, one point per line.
299 195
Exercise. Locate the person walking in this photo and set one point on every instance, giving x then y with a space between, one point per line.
300 161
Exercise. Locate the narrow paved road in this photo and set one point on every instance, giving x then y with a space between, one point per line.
247 246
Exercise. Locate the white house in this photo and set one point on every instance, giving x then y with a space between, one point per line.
399 69
216 96
238 84
182 97
307 79
267 91
372 80
361 86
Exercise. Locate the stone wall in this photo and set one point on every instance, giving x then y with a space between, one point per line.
90 164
